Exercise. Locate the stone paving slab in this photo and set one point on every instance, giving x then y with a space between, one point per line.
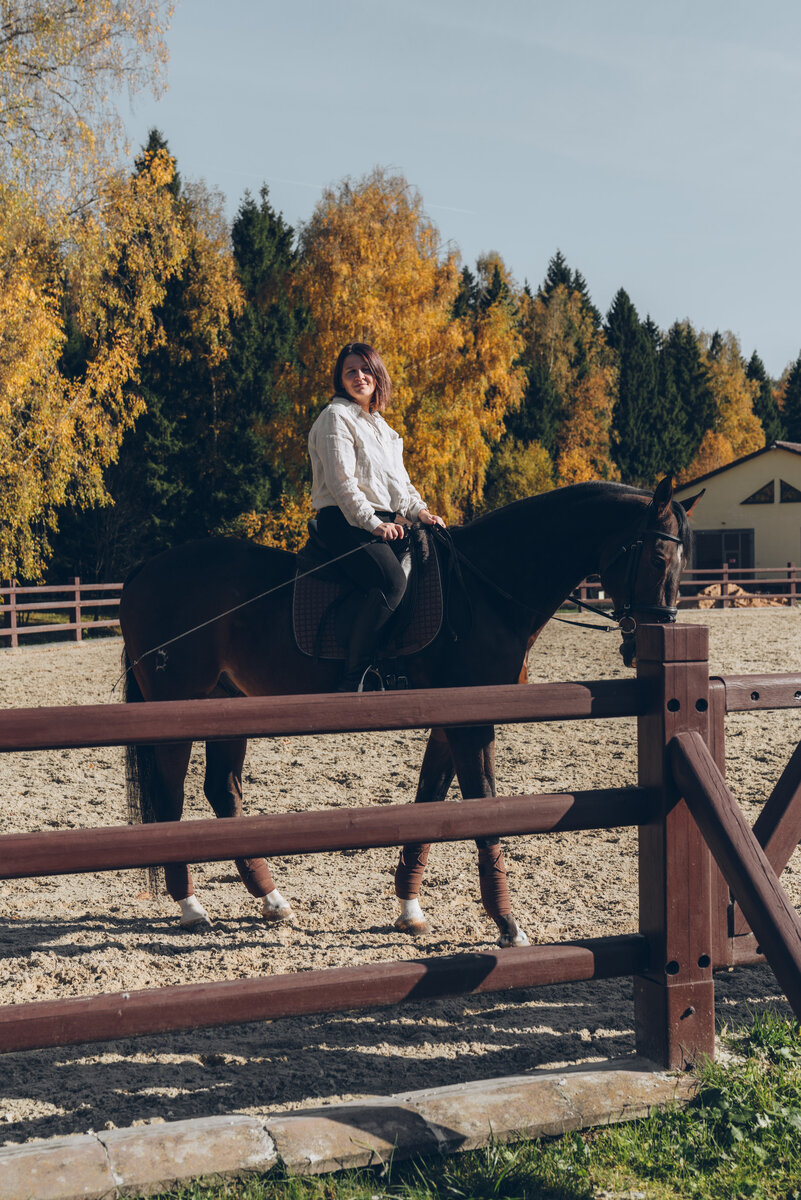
356 1134
159 1156
54 1170
361 1133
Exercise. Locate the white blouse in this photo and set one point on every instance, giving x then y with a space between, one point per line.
357 464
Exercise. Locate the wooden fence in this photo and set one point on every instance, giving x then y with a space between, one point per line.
91 606
782 584
688 924
87 605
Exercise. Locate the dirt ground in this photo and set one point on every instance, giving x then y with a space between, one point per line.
84 934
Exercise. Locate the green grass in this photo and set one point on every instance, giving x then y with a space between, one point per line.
739 1138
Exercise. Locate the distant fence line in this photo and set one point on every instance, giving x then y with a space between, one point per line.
92 606
85 605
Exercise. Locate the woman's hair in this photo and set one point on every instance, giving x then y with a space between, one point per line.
375 364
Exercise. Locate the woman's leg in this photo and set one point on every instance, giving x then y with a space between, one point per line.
377 572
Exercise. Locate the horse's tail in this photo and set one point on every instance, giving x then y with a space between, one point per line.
140 776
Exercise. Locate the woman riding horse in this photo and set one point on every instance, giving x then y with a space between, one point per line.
359 485
214 618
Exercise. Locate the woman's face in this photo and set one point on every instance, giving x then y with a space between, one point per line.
358 380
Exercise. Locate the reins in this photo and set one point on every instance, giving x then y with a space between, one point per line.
459 555
616 617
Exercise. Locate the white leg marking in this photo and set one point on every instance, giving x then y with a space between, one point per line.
275 908
193 914
511 933
412 919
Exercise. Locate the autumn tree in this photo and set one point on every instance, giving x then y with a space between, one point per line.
765 405
62 417
540 415
63 64
736 430
175 478
372 269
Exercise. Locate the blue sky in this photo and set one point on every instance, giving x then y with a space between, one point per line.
658 145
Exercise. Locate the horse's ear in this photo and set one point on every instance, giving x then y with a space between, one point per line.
663 495
689 504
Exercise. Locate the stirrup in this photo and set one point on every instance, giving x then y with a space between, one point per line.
352 681
371 673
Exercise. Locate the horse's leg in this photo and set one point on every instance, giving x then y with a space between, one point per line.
436 775
473 751
223 790
171 762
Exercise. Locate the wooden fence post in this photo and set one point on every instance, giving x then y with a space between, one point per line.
791 580
722 903
724 586
12 613
78 630
674 1007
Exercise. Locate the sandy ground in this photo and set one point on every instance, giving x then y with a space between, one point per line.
78 935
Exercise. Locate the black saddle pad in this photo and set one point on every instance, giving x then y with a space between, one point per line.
325 601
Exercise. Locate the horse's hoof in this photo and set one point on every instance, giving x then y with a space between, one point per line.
511 934
284 913
411 925
196 924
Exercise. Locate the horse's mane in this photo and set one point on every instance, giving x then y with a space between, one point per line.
540 506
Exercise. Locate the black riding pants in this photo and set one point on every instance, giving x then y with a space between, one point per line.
376 565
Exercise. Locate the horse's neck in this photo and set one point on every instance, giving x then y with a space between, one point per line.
540 549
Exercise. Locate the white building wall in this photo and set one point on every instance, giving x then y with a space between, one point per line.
777 527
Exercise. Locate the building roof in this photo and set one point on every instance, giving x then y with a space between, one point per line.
793 447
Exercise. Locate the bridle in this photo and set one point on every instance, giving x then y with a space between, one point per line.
620 618
664 613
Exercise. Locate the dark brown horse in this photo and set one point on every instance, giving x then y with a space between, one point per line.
517 565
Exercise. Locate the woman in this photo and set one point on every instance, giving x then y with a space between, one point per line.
359 487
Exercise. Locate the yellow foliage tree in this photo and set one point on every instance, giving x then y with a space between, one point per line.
737 429
517 471
372 269
563 341
58 431
63 64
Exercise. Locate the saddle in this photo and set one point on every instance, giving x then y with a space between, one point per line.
325 600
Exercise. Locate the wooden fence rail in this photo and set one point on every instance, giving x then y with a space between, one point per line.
688 922
92 606
19 602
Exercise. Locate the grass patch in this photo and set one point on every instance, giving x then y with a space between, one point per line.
739 1139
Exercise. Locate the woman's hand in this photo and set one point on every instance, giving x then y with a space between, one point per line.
429 518
389 530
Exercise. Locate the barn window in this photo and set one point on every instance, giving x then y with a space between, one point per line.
764 495
789 494
712 548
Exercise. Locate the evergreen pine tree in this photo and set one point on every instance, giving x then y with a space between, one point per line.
791 408
263 337
558 272
638 417
765 405
467 296
684 391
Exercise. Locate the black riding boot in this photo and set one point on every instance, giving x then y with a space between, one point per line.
365 637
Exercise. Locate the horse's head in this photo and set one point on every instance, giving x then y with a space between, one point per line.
641 568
